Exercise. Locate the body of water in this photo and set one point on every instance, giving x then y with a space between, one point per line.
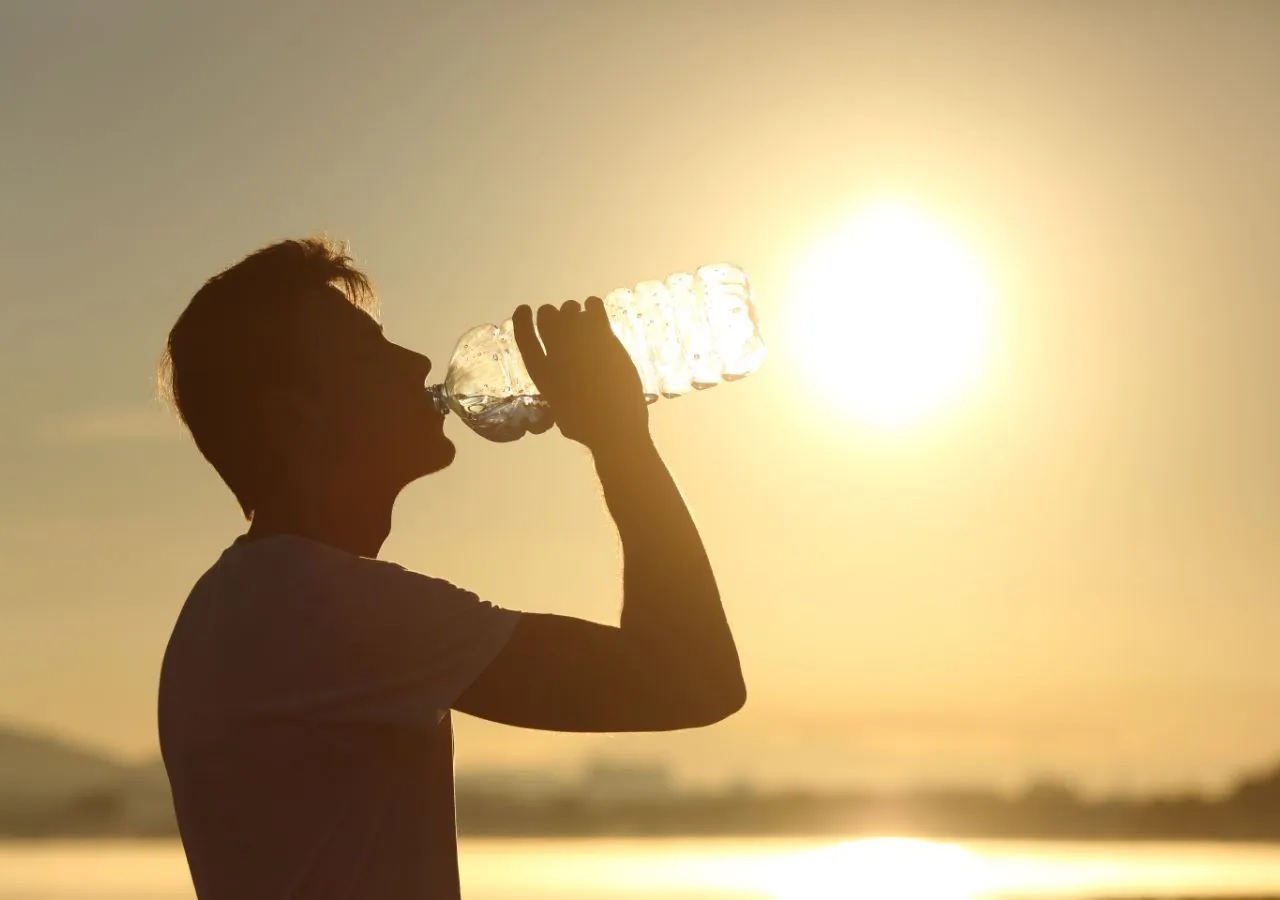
718 869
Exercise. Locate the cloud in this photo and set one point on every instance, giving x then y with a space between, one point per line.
110 424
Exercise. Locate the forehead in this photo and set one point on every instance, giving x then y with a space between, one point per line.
329 317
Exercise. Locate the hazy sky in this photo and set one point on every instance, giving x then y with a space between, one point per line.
1074 571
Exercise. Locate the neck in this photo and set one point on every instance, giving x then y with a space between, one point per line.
356 520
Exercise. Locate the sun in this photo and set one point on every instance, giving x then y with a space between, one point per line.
892 316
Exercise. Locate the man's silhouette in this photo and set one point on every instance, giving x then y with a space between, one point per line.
305 696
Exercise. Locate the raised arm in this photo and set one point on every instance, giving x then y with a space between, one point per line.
671 663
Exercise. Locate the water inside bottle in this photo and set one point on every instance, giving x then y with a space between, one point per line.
503 419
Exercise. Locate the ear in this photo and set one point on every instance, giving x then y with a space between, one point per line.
293 420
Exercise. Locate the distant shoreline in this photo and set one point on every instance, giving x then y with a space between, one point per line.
50 789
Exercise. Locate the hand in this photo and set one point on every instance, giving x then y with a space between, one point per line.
584 373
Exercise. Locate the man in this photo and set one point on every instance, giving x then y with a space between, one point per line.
305 696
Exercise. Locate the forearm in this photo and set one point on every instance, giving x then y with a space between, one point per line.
670 598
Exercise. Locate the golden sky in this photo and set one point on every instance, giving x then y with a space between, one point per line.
1071 570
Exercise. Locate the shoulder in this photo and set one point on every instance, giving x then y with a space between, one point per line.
291 577
291 560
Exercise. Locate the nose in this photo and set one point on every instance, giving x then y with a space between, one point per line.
418 364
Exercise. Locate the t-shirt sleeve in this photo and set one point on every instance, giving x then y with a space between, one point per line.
368 641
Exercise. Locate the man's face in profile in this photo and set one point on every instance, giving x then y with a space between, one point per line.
361 405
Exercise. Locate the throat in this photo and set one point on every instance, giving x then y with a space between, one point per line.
359 528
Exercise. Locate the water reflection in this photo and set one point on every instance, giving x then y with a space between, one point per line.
900 868
884 868
891 868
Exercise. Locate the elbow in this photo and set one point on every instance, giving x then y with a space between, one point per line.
729 707
732 697
737 698
720 704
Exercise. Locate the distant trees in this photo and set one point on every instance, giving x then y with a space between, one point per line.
140 806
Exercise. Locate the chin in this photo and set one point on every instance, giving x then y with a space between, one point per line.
418 455
439 456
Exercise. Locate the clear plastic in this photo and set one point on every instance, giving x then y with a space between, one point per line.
687 332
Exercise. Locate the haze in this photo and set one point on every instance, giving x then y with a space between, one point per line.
1071 571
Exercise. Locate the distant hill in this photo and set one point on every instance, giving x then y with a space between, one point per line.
42 768
50 786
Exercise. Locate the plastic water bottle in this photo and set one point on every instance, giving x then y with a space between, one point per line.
685 333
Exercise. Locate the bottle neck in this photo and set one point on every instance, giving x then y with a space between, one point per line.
440 397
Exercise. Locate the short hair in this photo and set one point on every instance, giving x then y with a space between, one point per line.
234 339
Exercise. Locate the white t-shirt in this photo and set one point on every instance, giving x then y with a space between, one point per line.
304 722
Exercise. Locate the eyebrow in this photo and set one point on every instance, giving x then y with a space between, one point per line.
373 325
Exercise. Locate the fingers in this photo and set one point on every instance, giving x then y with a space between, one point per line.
594 308
531 351
561 327
549 326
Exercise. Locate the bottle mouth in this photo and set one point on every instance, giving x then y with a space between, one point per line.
439 395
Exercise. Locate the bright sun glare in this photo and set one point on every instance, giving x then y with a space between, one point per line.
893 316
881 869
876 868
